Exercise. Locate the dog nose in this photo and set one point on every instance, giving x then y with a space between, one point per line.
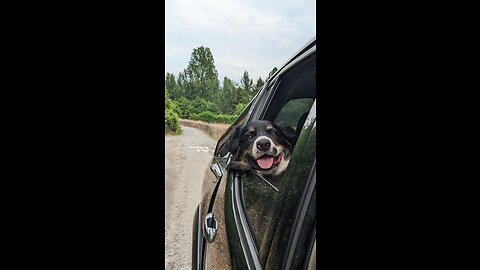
263 144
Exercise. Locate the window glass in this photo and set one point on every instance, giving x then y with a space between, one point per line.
257 204
293 111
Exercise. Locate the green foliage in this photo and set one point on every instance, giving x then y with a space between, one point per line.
206 116
226 97
275 69
293 110
171 122
200 79
244 97
196 93
225 119
239 109
258 86
210 117
246 83
171 85
185 106
171 115
202 110
201 105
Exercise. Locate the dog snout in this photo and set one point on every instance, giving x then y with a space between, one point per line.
263 145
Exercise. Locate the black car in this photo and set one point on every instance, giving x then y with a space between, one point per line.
244 222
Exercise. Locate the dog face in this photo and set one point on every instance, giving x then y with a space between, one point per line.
261 146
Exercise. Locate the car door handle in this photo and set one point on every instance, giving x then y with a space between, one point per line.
211 227
217 171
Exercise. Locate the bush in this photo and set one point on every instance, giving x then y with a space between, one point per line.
201 110
225 118
171 116
207 116
239 108
175 108
185 107
171 122
231 118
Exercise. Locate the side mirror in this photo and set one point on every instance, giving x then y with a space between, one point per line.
217 171
211 227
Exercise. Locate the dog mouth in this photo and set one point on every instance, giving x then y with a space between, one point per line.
266 162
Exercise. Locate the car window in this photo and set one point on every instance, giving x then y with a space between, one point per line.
290 103
293 111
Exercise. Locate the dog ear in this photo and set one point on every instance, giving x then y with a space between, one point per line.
232 144
289 133
235 140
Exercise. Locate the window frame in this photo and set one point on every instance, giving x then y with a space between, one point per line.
277 82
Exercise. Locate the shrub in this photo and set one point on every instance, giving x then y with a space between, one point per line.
194 116
171 116
175 108
231 118
225 118
239 108
206 116
171 122
186 109
201 110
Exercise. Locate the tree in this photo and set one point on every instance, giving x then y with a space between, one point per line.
258 85
246 83
227 96
171 86
201 74
182 85
243 96
275 69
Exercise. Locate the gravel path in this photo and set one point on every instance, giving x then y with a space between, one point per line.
186 158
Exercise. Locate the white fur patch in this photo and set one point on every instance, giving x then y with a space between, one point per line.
283 165
255 151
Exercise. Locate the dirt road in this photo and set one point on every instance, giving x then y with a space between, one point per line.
186 158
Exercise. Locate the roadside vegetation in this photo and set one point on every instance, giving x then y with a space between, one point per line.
197 94
171 116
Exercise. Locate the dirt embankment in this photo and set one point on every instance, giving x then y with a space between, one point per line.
214 130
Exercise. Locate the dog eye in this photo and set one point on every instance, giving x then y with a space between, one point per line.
248 136
273 132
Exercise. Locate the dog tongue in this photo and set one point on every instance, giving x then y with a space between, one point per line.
265 162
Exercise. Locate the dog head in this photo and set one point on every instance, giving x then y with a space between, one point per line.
261 146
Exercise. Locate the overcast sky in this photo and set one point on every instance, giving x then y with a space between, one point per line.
242 35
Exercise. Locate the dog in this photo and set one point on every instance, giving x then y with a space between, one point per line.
262 147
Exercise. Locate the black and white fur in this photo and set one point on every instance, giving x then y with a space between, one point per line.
260 139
